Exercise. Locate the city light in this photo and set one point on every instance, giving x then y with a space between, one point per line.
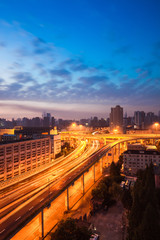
156 125
115 130
74 125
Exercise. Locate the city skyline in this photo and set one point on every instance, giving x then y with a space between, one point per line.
83 116
77 59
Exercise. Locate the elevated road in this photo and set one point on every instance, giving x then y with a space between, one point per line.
20 203
58 180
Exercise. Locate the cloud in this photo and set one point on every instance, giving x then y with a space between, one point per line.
93 80
37 42
77 64
2 44
60 73
23 77
79 67
123 50
143 75
74 64
40 46
1 80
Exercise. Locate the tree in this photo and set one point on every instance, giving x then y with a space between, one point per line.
158 145
69 230
120 162
126 199
66 230
114 170
149 228
100 191
144 216
115 190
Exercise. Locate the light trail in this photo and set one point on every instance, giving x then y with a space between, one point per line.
70 164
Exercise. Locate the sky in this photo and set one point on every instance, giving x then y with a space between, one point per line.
78 58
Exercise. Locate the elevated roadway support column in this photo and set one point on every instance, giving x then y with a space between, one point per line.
121 148
119 153
112 154
82 185
94 176
105 160
101 165
41 224
125 146
104 139
67 199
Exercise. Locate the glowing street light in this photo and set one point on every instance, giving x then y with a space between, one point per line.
156 126
115 130
73 125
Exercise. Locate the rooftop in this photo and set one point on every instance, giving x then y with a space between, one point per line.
142 152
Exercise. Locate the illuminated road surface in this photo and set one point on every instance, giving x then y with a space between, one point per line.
66 176
62 170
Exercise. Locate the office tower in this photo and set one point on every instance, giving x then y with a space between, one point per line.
149 119
46 119
52 122
116 119
139 117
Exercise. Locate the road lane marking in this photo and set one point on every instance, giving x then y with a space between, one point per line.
31 208
2 231
17 219
41 199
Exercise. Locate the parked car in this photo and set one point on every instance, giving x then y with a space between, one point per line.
94 237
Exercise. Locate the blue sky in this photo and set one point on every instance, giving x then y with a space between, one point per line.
78 58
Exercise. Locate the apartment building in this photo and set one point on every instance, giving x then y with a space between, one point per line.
22 156
55 144
116 119
135 159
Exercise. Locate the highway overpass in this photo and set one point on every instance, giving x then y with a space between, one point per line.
85 171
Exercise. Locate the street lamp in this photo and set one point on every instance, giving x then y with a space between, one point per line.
115 130
156 126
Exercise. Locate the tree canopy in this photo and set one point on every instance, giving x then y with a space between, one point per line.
144 217
69 230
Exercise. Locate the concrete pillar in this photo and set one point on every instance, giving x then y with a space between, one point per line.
112 155
94 176
82 184
104 160
115 150
101 165
41 225
67 199
119 149
104 141
125 145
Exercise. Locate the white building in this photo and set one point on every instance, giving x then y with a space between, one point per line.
135 159
55 144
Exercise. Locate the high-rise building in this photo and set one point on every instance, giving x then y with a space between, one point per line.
149 119
139 117
116 119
